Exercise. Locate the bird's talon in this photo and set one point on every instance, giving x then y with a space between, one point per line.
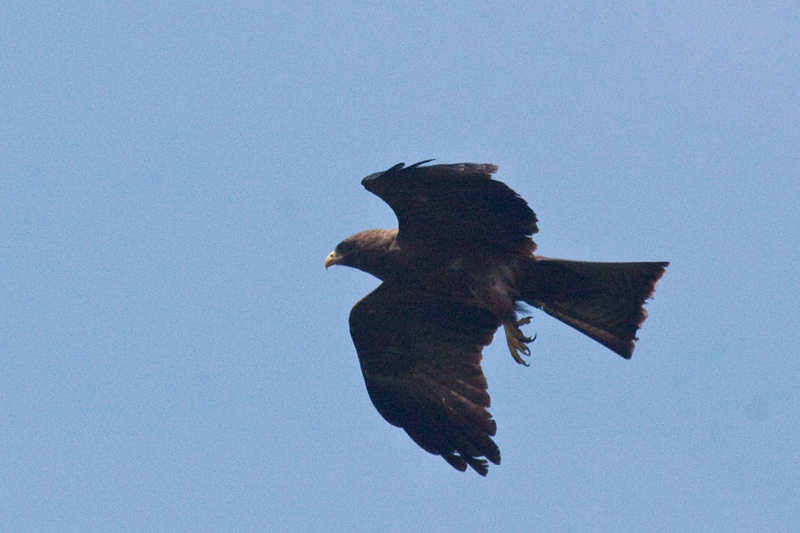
517 342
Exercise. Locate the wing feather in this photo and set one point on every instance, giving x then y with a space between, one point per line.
454 206
420 355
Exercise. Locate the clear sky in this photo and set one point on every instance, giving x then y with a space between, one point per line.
174 356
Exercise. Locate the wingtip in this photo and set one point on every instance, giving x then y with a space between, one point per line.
478 169
420 163
371 182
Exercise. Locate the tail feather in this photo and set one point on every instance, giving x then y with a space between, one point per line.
601 300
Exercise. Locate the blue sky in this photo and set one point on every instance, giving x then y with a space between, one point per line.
174 356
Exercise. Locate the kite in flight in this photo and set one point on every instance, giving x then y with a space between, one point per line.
455 270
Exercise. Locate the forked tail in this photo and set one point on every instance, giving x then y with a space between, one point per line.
601 300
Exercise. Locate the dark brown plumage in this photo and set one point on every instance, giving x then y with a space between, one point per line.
453 272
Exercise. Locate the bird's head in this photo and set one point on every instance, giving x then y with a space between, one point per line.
366 251
343 254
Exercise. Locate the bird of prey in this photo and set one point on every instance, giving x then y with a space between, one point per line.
459 265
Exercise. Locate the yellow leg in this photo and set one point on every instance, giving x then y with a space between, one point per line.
516 340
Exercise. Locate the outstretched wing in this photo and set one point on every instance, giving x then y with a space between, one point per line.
420 356
454 205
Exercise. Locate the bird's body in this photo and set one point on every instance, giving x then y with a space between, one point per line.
457 268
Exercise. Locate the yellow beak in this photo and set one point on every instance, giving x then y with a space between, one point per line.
332 259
